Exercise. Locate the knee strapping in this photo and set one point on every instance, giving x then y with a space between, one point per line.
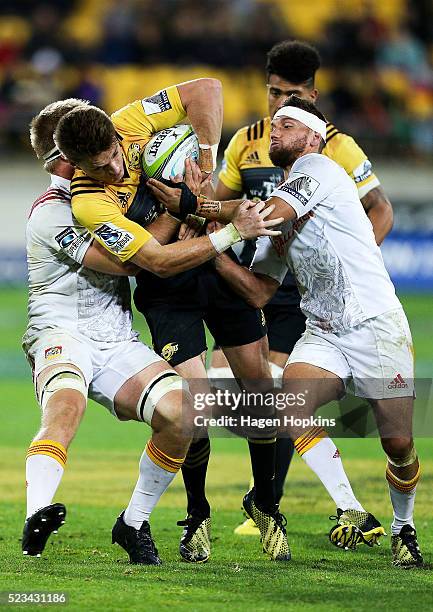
159 386
408 459
61 379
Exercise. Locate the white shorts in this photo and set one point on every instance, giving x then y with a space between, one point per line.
105 367
376 355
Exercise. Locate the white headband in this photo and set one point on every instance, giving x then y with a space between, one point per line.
314 123
51 155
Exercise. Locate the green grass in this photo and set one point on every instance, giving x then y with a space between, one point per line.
101 473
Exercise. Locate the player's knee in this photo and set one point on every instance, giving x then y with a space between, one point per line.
162 400
397 448
73 387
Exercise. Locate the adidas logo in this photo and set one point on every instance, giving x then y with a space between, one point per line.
252 158
398 383
336 455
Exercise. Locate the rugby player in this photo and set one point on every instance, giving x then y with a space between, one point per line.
247 170
351 333
80 343
110 197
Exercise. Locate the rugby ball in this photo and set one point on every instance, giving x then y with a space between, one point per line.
164 155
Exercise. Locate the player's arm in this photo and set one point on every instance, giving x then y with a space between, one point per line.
202 100
249 221
379 211
256 289
97 258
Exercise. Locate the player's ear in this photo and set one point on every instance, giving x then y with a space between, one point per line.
314 94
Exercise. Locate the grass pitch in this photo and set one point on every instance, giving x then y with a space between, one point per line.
101 472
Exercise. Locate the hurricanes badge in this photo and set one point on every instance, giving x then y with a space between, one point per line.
169 350
134 156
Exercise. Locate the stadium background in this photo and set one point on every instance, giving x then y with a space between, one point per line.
376 83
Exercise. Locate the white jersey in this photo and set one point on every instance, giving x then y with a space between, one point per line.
330 248
62 293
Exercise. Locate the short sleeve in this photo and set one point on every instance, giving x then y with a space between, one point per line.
268 260
230 174
101 216
311 180
149 115
55 227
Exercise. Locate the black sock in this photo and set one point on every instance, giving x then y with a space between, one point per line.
284 454
262 453
194 472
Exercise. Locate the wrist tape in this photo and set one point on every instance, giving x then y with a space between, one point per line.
225 238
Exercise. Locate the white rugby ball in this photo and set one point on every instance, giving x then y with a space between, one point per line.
165 153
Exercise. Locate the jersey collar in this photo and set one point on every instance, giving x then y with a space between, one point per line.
60 182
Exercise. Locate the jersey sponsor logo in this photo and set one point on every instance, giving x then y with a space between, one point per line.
363 171
69 241
52 352
398 383
157 103
302 188
169 350
133 156
115 238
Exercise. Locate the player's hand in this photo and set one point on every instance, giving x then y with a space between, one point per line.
191 227
193 176
169 196
250 220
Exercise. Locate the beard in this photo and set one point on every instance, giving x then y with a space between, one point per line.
285 157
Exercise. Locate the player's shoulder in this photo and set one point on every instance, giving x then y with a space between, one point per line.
315 161
338 142
83 185
253 131
51 202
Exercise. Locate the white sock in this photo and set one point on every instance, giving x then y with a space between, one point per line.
43 476
324 459
403 506
153 480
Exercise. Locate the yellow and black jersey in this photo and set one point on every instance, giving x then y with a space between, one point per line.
116 214
248 169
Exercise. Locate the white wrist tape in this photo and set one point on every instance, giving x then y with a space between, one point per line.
214 149
225 238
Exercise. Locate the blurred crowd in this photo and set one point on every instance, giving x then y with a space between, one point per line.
376 81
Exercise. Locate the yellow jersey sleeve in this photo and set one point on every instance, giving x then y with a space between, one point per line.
143 118
95 208
347 153
230 174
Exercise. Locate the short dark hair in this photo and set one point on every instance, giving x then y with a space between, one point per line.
308 106
293 61
305 105
83 133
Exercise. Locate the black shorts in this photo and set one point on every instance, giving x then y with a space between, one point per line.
176 322
286 324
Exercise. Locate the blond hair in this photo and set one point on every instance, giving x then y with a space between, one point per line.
42 128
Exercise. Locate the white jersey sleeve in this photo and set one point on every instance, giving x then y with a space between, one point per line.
269 260
55 228
311 180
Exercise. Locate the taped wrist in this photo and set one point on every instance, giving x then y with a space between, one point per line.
224 238
188 201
